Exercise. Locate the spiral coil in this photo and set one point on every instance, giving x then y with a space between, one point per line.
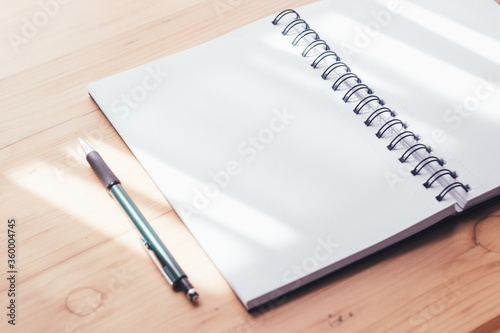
390 125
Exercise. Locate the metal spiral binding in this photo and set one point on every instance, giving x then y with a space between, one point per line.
344 77
448 188
315 43
293 24
323 56
365 101
304 34
354 89
388 124
400 137
378 112
333 67
436 175
424 162
368 101
412 150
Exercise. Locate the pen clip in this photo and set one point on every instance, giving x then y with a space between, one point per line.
153 257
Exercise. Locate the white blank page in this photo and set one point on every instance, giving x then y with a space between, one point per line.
272 173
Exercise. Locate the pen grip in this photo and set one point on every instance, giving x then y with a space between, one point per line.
103 172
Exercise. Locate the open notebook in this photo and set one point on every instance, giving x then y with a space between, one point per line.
282 178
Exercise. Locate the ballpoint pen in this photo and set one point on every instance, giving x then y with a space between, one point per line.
150 241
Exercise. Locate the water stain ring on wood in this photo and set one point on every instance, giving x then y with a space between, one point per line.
84 301
487 233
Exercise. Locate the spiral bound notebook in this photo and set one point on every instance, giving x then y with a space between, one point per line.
307 140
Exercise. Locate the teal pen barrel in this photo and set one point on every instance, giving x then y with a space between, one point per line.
170 266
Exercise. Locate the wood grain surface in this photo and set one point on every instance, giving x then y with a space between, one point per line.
80 267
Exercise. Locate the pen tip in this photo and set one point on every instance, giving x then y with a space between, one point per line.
85 146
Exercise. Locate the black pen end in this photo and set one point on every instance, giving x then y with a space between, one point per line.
192 295
187 288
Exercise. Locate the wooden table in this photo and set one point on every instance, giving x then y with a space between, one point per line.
79 266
